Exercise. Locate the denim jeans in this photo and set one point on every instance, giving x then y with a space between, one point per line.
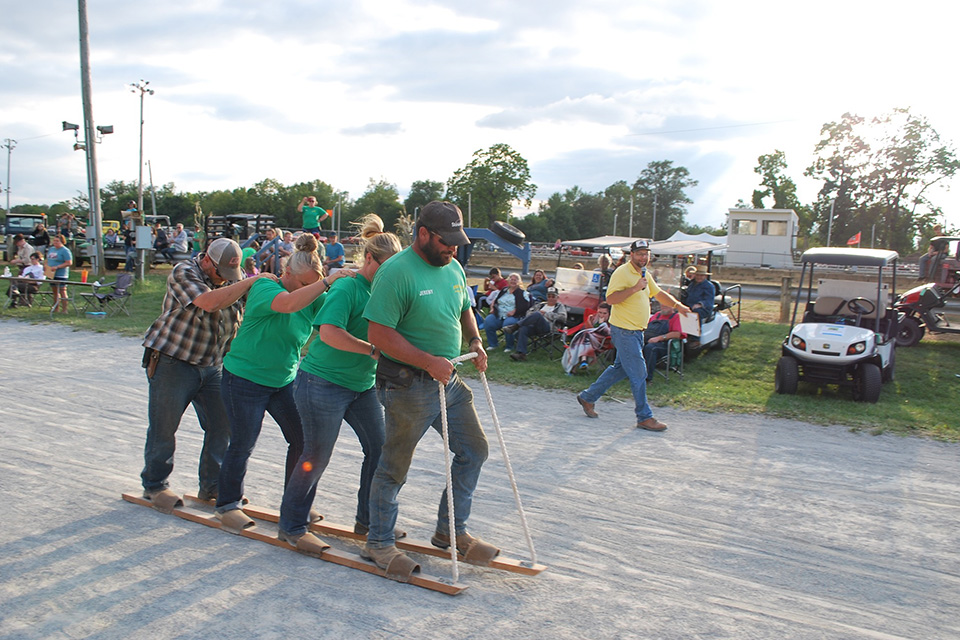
246 402
324 406
534 324
492 324
174 385
629 364
652 352
409 413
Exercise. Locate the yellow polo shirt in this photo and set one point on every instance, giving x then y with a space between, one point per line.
634 312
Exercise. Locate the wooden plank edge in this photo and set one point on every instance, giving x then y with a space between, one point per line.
502 563
330 555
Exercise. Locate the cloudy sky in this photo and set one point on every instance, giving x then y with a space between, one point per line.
348 90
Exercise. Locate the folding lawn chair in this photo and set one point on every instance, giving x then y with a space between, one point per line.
672 360
110 297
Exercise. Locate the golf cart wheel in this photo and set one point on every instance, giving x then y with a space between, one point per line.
888 373
508 232
111 263
909 332
787 376
724 340
867 382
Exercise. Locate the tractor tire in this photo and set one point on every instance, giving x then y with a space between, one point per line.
787 377
909 332
723 342
867 382
508 232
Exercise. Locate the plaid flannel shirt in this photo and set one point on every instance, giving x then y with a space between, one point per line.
185 331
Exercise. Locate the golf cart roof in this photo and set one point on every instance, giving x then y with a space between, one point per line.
684 247
841 256
620 242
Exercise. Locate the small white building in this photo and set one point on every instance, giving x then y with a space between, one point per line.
761 237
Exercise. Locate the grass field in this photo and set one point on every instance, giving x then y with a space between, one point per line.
922 400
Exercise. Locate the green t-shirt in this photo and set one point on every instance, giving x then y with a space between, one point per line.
267 347
343 307
311 216
421 301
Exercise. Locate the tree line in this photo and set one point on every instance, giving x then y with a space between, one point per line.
877 178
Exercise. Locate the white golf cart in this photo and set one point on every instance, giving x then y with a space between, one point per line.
848 332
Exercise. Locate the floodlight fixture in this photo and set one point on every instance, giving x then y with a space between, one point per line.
69 126
105 129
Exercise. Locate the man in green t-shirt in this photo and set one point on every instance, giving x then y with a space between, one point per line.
419 313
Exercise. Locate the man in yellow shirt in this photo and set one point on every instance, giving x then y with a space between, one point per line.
628 294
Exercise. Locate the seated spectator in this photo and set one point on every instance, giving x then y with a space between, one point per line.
492 285
286 249
539 283
22 293
543 318
605 267
663 326
701 294
161 243
586 342
41 238
110 238
927 260
181 240
23 250
334 255
250 268
130 246
508 307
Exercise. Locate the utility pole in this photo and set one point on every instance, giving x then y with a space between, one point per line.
653 229
95 227
830 221
142 88
631 217
615 223
9 145
470 209
153 192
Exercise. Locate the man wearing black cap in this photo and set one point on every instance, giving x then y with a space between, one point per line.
184 350
628 294
419 314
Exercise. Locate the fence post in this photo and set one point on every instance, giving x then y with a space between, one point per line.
785 299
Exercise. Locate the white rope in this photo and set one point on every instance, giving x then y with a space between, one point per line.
506 462
446 458
506 457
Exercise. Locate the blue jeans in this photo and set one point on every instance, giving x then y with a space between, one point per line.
174 385
534 324
409 413
652 352
629 364
246 402
492 324
324 406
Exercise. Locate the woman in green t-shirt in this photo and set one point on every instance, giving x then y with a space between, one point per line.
259 370
336 383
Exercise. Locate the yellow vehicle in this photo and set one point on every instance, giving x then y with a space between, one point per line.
111 224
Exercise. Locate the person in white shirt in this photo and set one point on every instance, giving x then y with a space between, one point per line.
180 240
22 293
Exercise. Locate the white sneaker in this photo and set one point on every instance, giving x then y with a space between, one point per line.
507 350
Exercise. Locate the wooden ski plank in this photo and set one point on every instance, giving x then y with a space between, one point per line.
501 562
330 555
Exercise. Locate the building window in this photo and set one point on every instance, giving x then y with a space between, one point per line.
774 228
744 227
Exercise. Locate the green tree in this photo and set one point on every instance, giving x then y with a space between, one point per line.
886 183
663 186
772 170
422 192
493 180
381 198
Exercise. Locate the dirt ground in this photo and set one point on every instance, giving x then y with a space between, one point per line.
724 526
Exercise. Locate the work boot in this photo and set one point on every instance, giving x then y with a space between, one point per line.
587 407
652 424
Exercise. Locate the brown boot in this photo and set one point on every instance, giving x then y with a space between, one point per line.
587 407
652 424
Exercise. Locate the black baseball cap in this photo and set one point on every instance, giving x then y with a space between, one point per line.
444 219
639 245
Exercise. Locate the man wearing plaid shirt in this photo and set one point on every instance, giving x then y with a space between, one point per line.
184 350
